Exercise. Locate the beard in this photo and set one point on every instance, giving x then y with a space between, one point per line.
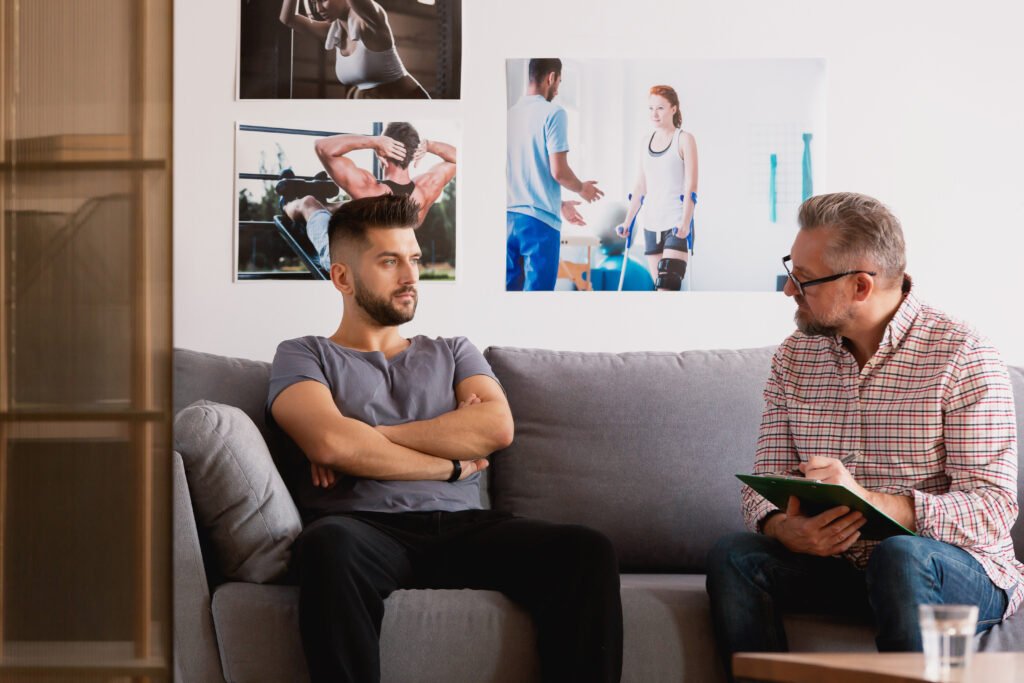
827 326
382 310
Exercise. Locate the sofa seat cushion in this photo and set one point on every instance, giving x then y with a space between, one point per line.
427 635
667 634
1005 637
240 500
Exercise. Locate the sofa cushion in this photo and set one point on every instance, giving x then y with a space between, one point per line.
641 446
427 635
667 634
238 495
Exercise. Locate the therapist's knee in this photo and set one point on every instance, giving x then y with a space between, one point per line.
900 561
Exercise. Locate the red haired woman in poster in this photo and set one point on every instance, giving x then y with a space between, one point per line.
667 182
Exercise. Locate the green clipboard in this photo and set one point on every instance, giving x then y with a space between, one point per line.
816 497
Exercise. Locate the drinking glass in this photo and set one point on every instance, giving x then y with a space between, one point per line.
947 632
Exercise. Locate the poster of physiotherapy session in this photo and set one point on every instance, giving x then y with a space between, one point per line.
658 175
356 49
289 179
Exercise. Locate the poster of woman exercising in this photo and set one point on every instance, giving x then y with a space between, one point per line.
356 49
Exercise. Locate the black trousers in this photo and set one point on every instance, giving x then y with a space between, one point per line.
565 576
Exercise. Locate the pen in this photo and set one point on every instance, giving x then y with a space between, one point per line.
846 460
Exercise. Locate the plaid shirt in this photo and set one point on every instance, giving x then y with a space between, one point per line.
929 416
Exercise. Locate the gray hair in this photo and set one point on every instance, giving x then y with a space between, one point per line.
864 229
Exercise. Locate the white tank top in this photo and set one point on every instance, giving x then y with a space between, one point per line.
666 182
363 68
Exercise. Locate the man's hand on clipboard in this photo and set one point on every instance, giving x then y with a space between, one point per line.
830 533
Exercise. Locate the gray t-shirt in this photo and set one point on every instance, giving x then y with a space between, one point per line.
416 384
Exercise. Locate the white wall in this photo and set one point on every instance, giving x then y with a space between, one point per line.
925 102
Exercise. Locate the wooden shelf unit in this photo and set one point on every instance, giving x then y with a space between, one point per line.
57 89
87 165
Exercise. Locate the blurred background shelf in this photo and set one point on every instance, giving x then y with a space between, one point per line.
81 414
86 165
85 340
85 659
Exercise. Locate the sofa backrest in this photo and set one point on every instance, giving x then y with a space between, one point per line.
233 381
642 446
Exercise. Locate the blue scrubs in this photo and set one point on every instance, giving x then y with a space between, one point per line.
531 254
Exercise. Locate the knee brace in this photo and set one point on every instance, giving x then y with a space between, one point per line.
670 274
677 243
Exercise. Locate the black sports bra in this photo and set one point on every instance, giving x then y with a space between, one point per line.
402 190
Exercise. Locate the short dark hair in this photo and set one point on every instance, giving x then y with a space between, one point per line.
542 66
408 136
351 220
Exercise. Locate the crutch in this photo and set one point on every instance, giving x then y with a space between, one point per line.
692 234
629 240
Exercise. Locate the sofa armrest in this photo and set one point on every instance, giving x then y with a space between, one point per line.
196 658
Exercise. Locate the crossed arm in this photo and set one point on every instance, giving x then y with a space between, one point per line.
420 450
475 431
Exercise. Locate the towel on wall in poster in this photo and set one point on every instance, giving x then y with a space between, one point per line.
356 49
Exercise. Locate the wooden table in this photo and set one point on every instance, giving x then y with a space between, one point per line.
891 667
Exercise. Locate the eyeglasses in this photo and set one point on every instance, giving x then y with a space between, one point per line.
801 286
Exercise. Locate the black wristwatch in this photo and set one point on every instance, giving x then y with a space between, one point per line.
456 471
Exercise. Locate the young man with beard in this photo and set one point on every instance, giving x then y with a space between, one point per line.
920 409
394 434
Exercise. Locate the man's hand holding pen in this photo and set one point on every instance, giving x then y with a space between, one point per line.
832 471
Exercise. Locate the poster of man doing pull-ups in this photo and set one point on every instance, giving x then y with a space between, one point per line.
355 49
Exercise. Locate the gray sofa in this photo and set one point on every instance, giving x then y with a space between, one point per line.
642 446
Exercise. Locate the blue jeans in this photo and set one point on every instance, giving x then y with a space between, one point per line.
753 580
531 254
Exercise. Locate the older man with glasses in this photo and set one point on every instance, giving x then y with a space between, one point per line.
911 410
